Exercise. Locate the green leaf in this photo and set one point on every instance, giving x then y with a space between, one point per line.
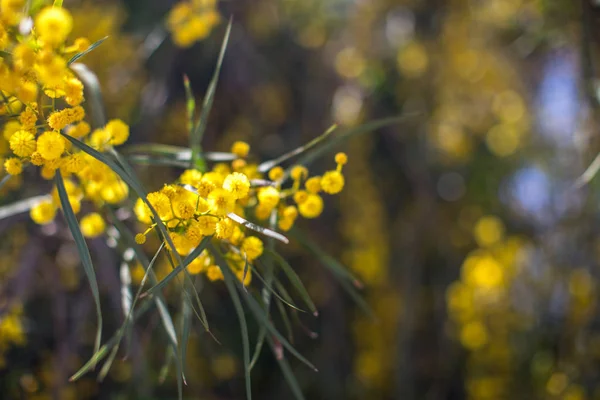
200 128
288 374
256 309
190 104
84 252
86 51
336 140
257 228
103 352
4 180
169 328
266 297
294 279
94 95
328 261
176 153
186 322
229 278
345 277
267 165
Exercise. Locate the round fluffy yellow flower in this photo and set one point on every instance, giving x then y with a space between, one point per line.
198 265
276 173
221 201
50 145
205 187
268 196
298 172
312 207
13 166
140 238
193 234
142 212
300 196
22 143
43 212
332 182
74 163
161 203
313 185
191 177
92 225
252 247
36 159
237 184
225 228
60 119
214 273
118 131
207 224
240 149
115 192
341 158
79 130
53 25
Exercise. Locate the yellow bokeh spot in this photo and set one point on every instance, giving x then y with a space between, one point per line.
508 106
453 141
503 139
580 284
349 63
482 271
557 383
488 230
413 60
474 335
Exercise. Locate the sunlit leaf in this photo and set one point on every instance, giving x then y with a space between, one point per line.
86 51
200 128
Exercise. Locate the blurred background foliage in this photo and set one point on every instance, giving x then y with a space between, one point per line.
477 251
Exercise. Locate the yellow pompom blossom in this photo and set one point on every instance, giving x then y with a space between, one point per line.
22 143
41 107
53 24
240 149
118 131
43 212
216 204
13 166
92 225
50 145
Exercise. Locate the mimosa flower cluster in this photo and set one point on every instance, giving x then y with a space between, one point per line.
41 101
219 202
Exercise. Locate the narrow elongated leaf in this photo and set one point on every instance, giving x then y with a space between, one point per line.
186 323
256 309
169 328
258 228
267 165
328 261
345 278
190 104
266 297
229 278
86 51
84 252
94 95
174 152
21 206
104 350
288 374
4 180
294 279
200 128
337 139
589 173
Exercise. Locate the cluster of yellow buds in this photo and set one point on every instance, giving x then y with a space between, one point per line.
40 97
218 203
191 21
